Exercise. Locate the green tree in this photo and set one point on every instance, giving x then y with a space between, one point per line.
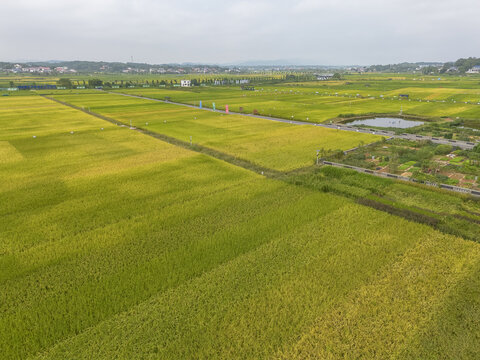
94 82
64 82
429 70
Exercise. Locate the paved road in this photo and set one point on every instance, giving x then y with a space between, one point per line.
404 178
389 134
460 144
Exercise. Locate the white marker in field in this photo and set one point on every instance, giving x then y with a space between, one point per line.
71 132
34 136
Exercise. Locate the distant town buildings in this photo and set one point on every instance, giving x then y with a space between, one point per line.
157 71
64 69
17 69
357 69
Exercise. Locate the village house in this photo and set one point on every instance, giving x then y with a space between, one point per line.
324 77
474 70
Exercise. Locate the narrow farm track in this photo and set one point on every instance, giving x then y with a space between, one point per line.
186 145
465 145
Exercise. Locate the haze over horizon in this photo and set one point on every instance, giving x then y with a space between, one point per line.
221 32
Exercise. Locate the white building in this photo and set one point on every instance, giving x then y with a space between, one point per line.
452 69
185 83
474 70
324 77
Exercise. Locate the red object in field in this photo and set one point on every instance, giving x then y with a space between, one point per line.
226 109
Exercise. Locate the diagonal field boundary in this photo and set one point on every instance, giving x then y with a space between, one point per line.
271 173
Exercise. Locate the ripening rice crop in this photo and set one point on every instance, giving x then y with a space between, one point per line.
272 144
114 244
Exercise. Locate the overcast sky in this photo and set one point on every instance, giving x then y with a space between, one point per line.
331 32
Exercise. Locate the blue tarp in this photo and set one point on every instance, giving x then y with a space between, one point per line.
40 87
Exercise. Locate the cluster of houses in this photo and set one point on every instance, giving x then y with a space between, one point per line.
17 68
64 69
160 70
357 69
169 70
195 70
473 70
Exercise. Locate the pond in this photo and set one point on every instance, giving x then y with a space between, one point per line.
387 123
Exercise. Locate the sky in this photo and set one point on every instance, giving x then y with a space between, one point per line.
316 32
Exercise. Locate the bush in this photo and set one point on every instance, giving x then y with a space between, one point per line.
443 149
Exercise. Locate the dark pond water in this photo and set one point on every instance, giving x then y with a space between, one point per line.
387 123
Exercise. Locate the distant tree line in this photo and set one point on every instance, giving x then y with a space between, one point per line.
462 65
95 82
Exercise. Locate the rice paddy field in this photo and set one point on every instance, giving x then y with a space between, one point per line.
116 245
322 101
271 144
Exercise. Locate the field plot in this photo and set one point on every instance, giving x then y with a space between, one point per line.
117 245
319 102
271 144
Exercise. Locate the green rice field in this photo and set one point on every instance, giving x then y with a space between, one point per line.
272 144
323 101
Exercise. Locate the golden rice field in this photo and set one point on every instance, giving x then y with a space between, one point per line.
114 244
